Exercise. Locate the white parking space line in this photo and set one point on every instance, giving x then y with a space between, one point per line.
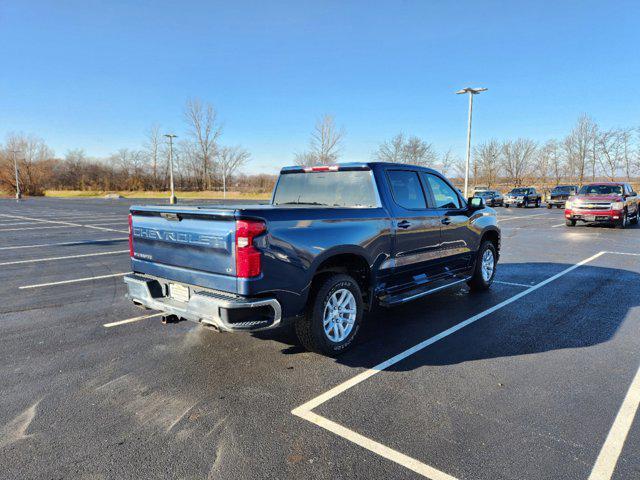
62 244
19 229
523 216
558 225
305 410
378 448
625 253
122 223
512 283
612 448
64 223
51 259
75 280
130 320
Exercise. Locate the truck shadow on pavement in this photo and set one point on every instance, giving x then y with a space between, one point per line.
584 308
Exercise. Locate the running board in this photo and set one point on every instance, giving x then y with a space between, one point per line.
415 293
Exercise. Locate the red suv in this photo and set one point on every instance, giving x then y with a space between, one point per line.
614 203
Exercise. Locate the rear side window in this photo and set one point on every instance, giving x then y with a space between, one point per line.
406 189
443 194
334 189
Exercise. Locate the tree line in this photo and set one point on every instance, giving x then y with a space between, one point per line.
587 153
201 162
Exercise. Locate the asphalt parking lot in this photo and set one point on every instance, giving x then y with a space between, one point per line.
537 378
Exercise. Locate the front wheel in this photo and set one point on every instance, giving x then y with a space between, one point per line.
485 268
506 205
333 316
549 205
623 222
538 203
635 219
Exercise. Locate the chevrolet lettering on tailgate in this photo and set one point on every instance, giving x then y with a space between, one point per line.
199 239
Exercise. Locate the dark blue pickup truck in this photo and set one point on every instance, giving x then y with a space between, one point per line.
334 242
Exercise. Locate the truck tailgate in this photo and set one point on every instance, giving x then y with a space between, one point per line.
189 245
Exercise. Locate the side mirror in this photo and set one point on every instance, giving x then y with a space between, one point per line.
476 203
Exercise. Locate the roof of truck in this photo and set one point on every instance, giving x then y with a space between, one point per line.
353 165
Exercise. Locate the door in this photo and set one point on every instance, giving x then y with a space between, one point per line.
416 231
457 239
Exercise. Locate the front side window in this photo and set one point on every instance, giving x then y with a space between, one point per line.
443 194
406 189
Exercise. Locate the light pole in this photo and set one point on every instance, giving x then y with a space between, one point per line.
471 92
15 166
172 199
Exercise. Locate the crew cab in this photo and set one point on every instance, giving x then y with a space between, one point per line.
334 242
523 197
560 194
613 203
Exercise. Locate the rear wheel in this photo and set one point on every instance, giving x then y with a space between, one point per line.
537 203
635 219
333 316
569 223
485 268
549 205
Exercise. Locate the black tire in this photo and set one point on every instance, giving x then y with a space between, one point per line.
309 328
570 223
559 206
537 203
506 205
634 220
623 222
549 205
477 281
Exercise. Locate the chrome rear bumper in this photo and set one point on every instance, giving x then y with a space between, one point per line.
225 313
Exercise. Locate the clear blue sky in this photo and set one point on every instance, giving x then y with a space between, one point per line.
96 74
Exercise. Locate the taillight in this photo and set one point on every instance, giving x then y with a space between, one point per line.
248 258
130 235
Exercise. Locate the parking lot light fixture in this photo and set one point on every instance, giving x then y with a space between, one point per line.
172 199
471 92
15 166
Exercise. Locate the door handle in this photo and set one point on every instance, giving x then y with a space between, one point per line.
404 224
446 221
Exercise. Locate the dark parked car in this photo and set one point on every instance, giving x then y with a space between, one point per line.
334 242
493 198
523 197
560 194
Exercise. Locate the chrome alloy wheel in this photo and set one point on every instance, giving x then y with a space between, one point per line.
488 265
339 315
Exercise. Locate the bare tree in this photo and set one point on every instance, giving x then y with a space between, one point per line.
204 131
32 155
517 156
577 146
325 145
391 150
230 159
552 159
487 157
447 160
413 151
611 146
153 147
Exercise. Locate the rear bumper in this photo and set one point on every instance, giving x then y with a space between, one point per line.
227 313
